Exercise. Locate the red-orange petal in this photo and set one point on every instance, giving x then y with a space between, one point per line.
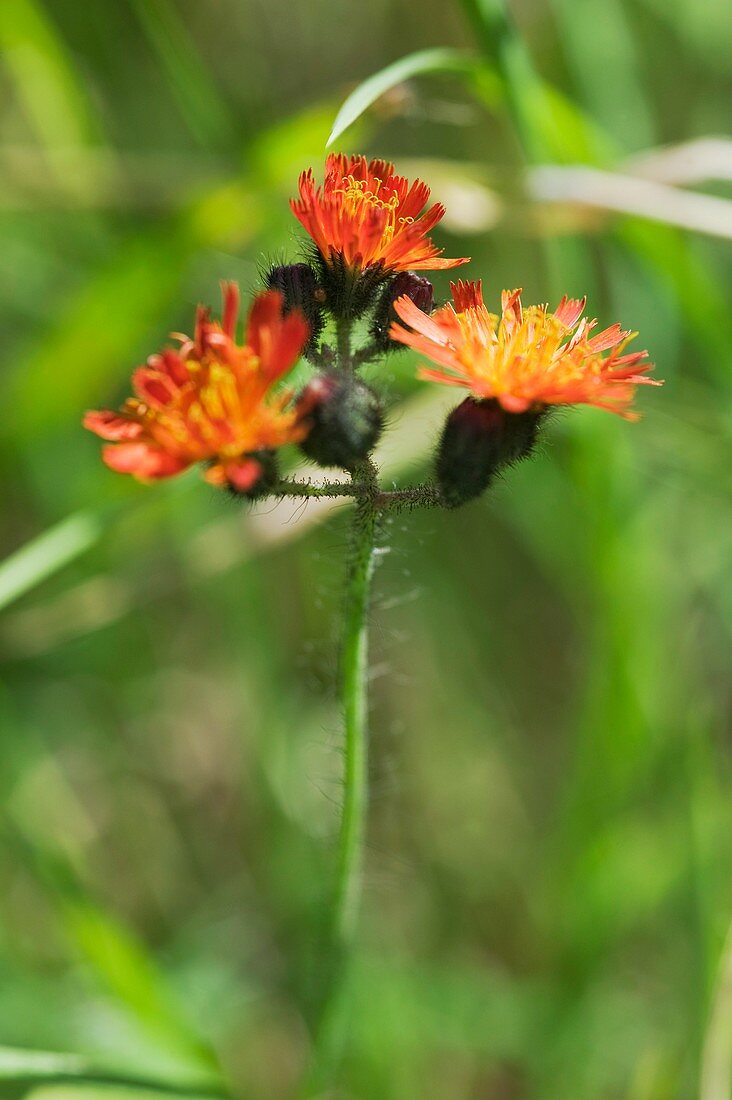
142 460
570 310
153 387
243 474
467 294
230 312
112 426
277 341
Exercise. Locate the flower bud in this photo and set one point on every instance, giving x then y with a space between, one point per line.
407 283
300 288
480 438
344 416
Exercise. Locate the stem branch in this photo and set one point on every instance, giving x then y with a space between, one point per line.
416 496
287 488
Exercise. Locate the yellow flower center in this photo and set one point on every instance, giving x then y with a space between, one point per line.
361 196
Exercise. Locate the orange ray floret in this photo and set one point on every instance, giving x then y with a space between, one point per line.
527 357
364 214
209 400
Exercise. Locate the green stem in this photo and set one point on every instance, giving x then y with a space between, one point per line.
354 659
342 918
343 343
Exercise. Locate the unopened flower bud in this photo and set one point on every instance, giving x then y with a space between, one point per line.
407 283
344 416
479 439
301 290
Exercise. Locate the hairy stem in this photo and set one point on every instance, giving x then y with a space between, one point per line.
354 659
416 496
342 918
343 343
286 488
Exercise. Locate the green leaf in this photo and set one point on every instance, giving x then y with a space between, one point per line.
414 64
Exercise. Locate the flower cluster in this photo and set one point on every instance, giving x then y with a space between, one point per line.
214 401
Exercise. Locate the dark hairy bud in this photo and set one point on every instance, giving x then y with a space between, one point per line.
407 283
344 417
301 290
478 440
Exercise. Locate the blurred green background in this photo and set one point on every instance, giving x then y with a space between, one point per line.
548 883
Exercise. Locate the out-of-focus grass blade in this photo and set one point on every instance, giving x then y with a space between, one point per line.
666 253
562 131
624 194
119 960
36 1067
129 972
190 80
716 1069
279 153
67 540
414 64
48 553
95 334
43 77
84 1090
15 1064
551 126
502 46
571 134
621 105
567 132
697 161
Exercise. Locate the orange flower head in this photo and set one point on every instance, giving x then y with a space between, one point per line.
365 215
527 358
210 399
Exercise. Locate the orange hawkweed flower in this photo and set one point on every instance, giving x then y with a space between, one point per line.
209 400
527 358
364 215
